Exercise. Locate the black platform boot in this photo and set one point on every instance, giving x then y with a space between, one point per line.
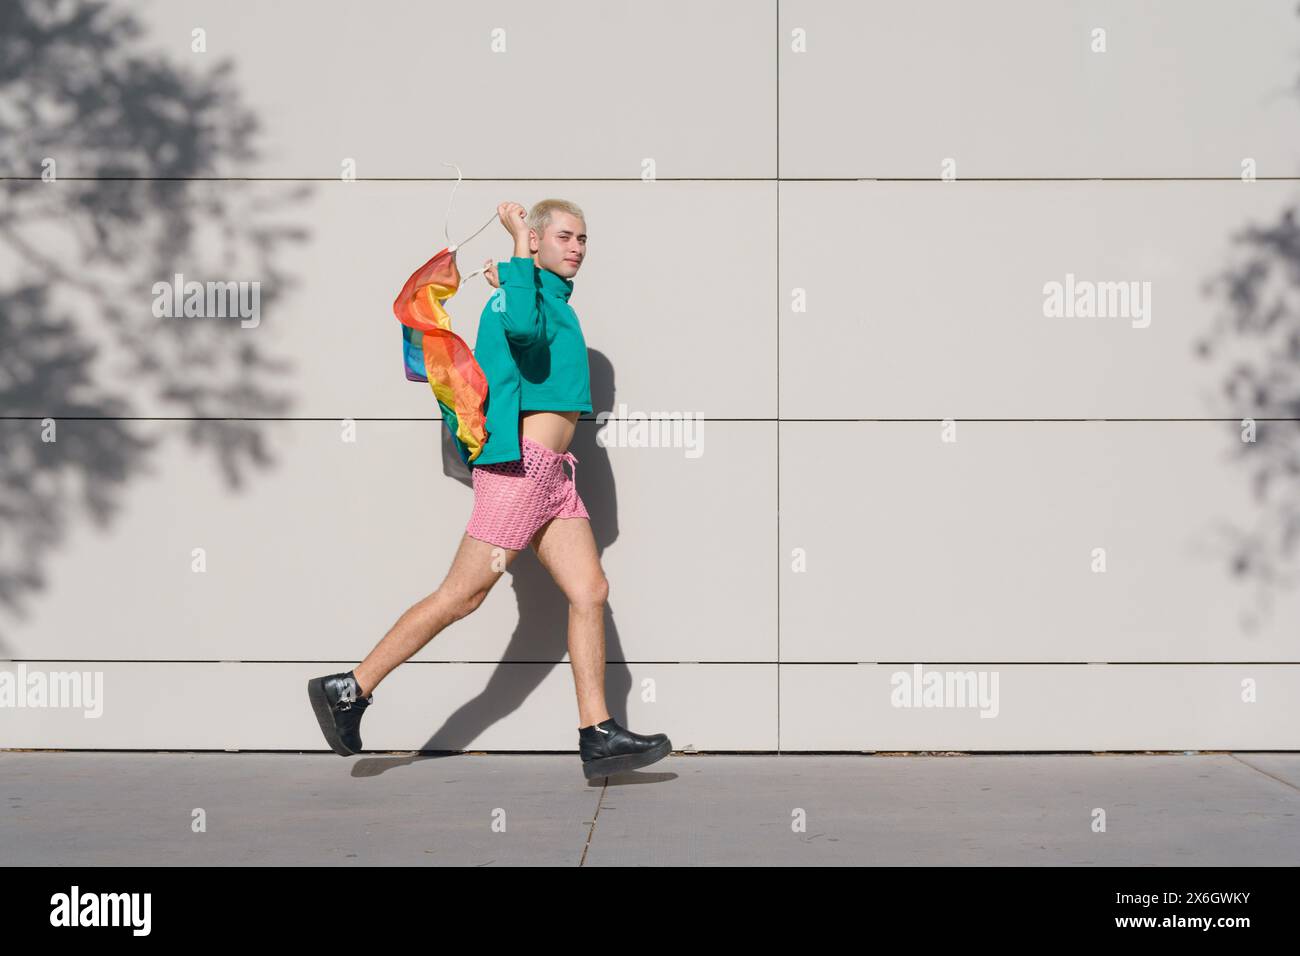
609 748
339 706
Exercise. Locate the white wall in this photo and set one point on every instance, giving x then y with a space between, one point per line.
798 274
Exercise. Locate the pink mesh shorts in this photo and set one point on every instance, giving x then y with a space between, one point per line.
513 499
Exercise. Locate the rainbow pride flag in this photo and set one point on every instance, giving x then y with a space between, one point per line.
433 353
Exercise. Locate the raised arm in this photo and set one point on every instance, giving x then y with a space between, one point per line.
517 303
517 299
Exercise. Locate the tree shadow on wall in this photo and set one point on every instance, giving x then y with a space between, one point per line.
1260 327
104 146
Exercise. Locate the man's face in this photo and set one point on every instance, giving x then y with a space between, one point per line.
564 245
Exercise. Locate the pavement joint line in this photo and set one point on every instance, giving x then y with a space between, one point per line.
1285 783
596 816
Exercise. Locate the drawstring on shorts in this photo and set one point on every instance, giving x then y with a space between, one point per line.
572 459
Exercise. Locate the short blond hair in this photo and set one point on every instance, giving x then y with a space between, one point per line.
539 217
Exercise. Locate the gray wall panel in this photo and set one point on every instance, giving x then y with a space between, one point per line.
316 553
668 328
510 706
983 549
585 89
926 300
1012 89
1087 707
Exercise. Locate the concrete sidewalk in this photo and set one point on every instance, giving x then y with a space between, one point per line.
131 809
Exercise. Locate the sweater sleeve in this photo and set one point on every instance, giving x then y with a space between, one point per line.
518 305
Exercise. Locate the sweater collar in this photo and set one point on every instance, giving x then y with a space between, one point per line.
555 284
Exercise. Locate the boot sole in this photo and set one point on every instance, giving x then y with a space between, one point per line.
621 763
325 717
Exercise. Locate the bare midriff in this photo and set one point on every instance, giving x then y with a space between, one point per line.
552 429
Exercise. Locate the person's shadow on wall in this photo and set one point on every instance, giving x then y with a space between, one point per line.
541 636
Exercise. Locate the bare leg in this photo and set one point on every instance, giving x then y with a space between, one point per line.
477 566
567 549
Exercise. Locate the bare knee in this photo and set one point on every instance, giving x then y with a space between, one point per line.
463 604
592 594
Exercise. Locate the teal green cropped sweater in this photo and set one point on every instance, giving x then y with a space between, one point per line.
531 349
